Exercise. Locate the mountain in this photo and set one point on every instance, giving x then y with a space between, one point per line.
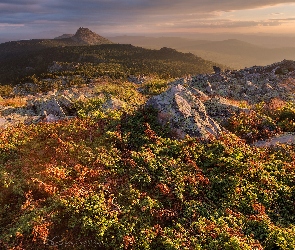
232 52
84 36
100 147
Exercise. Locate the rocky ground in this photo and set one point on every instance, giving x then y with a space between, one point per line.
195 106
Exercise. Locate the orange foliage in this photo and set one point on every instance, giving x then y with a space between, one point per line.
41 231
128 241
163 188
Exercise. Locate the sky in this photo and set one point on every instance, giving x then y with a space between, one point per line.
24 19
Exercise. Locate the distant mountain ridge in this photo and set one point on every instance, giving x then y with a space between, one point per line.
64 36
232 52
24 48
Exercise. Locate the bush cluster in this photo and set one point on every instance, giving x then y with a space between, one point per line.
120 182
263 122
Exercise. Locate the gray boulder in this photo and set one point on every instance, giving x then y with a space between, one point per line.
216 69
66 104
50 106
185 114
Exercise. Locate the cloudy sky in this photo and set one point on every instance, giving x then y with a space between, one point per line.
21 19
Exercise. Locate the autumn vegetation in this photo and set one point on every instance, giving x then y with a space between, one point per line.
118 180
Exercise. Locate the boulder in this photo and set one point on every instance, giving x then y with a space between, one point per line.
184 113
216 69
199 94
50 106
66 104
25 89
286 138
209 88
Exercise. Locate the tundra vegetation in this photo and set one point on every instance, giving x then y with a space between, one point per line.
116 179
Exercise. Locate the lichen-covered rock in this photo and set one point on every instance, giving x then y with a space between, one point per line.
25 89
185 114
285 138
50 106
254 85
66 104
199 94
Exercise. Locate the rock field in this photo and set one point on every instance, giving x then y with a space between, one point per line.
195 105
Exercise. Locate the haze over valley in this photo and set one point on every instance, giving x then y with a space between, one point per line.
232 52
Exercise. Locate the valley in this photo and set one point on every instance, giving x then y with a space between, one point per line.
234 53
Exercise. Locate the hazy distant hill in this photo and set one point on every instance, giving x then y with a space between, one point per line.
232 52
64 36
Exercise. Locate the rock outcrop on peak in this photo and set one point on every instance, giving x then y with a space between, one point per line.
88 37
252 85
198 106
184 113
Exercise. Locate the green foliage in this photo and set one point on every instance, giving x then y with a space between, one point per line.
286 117
154 87
253 126
281 239
124 184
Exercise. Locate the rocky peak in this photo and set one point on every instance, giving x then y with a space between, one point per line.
86 36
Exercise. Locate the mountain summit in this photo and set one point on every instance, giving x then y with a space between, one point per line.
85 36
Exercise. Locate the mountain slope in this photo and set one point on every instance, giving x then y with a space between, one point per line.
116 179
115 60
21 59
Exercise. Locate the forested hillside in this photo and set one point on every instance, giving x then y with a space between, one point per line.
114 60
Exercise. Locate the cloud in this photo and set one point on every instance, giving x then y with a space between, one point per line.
219 23
19 2
10 25
105 14
284 19
125 8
